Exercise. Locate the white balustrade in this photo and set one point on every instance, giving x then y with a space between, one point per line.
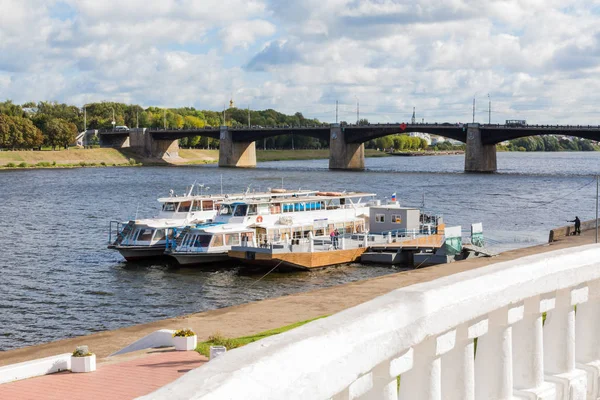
425 334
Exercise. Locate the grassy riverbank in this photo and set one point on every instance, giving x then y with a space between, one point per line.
74 157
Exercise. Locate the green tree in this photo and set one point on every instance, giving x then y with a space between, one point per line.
60 133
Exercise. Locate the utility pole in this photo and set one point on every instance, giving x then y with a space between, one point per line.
414 117
357 111
248 116
137 120
165 117
489 110
224 115
473 109
336 111
597 208
84 118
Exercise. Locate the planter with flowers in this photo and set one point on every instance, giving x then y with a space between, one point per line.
82 360
185 339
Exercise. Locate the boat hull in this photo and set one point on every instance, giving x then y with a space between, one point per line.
199 258
139 253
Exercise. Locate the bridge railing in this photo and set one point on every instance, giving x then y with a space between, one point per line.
425 335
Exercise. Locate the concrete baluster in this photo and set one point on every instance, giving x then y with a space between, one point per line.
559 335
493 361
587 339
587 324
528 354
458 369
423 381
385 387
559 349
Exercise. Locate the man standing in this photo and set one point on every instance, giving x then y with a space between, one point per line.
332 237
577 226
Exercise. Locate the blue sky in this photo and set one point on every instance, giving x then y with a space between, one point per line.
539 60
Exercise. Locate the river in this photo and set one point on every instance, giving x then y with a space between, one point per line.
59 280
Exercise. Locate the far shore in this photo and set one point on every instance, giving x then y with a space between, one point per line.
108 157
253 317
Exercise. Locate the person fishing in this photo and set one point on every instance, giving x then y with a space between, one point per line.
577 226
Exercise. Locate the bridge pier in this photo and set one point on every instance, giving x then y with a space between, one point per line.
479 157
143 143
343 155
235 154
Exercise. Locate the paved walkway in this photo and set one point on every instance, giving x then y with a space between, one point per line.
115 381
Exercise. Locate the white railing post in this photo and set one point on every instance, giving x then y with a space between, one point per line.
311 243
423 381
528 354
493 361
343 243
385 387
389 237
458 368
587 339
559 349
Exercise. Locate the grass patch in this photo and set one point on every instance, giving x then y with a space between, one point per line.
217 339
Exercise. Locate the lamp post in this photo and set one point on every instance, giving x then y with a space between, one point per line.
113 120
357 110
84 118
489 110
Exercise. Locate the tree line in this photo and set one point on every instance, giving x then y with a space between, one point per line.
51 124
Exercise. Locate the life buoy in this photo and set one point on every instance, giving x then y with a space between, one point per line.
259 219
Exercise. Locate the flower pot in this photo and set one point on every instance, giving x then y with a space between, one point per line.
185 343
83 364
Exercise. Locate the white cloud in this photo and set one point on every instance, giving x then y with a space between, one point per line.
539 59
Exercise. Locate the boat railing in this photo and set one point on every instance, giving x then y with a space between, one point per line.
115 232
311 244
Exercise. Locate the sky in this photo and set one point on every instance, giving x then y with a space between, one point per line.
537 60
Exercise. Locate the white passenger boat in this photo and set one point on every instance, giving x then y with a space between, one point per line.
148 238
259 221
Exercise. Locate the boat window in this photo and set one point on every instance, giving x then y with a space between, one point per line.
145 234
240 210
247 238
232 239
276 208
197 205
263 209
396 219
319 232
185 206
169 207
159 235
226 209
252 209
379 218
186 240
208 205
202 240
218 241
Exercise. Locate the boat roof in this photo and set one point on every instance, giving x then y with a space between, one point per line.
274 193
319 196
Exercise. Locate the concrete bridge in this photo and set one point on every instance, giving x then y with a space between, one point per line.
346 143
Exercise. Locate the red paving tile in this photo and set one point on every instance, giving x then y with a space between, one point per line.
119 381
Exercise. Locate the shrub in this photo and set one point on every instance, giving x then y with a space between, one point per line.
82 351
53 163
43 164
23 165
131 161
184 333
82 163
11 165
103 164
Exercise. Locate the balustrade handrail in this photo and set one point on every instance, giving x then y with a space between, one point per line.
321 359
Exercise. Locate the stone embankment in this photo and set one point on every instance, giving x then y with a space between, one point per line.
251 318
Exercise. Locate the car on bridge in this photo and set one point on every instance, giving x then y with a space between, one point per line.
121 128
516 122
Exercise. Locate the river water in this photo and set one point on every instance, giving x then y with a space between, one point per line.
58 280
